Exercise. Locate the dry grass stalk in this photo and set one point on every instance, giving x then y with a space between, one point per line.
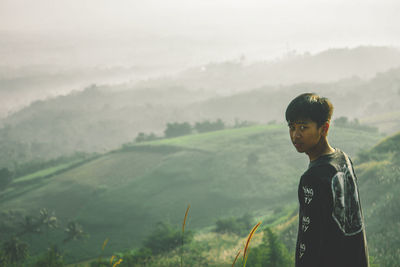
184 220
245 253
117 263
183 231
112 259
104 244
237 256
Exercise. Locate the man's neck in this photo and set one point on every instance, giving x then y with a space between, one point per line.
322 148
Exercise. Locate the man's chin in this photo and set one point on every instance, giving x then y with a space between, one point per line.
299 149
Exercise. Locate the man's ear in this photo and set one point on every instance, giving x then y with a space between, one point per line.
325 128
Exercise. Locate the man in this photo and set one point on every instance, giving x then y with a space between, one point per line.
331 228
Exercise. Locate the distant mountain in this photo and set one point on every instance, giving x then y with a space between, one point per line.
101 118
20 86
375 101
325 67
93 120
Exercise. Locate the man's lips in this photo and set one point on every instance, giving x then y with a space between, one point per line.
297 144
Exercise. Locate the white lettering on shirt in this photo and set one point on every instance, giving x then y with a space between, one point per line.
308 194
305 223
302 250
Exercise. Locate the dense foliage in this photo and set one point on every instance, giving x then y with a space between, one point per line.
271 252
240 226
355 124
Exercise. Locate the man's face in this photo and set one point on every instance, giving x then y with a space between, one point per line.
305 135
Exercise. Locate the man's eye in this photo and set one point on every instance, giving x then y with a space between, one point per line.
303 127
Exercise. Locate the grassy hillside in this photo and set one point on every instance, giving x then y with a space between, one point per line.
380 187
101 118
123 194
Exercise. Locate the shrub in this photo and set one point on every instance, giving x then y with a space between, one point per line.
142 137
52 258
271 252
207 126
177 129
166 238
239 226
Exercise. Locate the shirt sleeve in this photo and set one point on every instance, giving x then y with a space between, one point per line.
316 206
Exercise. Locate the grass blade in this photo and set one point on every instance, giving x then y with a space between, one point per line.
184 220
237 256
183 232
245 253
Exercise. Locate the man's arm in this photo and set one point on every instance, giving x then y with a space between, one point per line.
316 203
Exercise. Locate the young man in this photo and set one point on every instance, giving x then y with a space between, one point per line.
331 229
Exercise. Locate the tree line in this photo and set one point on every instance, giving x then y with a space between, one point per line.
176 129
18 232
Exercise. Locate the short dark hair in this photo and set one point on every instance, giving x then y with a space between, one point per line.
309 106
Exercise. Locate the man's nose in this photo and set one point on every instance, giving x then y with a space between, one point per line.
296 134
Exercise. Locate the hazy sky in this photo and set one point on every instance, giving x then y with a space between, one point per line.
252 27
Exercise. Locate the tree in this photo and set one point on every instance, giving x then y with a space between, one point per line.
240 226
142 137
341 121
165 238
47 219
14 250
207 126
271 252
74 231
177 129
52 258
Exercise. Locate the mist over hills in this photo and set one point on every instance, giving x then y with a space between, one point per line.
102 117
353 98
23 84
324 67
20 86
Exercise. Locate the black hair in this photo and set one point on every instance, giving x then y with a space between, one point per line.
309 106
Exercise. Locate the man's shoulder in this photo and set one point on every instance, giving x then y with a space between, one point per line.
325 167
322 173
329 161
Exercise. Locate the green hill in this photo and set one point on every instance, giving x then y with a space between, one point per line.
380 187
101 118
123 194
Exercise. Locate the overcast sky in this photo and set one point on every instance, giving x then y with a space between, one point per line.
264 28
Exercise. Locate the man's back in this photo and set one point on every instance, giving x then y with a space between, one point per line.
331 230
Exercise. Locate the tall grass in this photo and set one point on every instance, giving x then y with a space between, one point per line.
183 232
237 256
246 248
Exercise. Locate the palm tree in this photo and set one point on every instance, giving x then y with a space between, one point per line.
74 231
48 220
15 250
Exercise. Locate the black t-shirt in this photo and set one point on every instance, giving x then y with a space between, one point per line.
331 228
